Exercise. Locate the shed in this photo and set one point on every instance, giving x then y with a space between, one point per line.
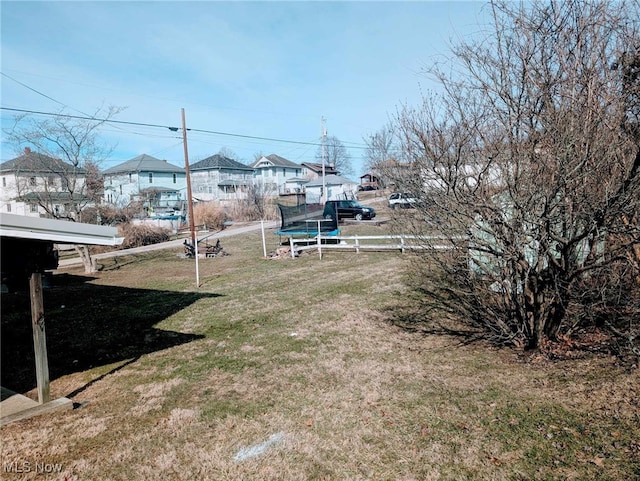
27 250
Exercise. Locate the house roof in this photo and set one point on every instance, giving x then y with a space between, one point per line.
275 161
219 162
144 163
34 162
61 197
391 163
317 168
158 190
330 180
232 182
60 231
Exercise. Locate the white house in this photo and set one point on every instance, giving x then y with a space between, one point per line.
156 183
338 188
35 184
220 178
272 172
311 170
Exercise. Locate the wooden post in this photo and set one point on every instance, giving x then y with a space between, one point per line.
39 338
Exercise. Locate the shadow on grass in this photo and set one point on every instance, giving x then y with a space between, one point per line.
87 326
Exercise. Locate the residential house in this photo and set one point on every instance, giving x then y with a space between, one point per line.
311 170
337 187
390 173
159 186
35 184
220 178
295 185
272 172
369 181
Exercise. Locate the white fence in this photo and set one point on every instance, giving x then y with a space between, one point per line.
357 243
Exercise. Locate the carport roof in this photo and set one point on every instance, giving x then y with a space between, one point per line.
59 231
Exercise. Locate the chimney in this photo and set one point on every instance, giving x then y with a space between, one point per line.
27 150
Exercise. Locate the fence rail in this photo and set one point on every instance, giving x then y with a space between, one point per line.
401 243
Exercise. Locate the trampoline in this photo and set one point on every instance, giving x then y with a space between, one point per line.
307 220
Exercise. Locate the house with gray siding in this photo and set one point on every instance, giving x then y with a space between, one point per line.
157 184
219 178
272 172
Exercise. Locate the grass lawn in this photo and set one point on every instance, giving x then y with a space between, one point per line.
289 370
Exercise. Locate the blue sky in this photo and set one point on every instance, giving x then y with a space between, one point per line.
258 69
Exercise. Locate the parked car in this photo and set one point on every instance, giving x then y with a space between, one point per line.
402 199
366 187
347 208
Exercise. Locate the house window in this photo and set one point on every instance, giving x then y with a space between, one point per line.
8 205
284 172
32 181
130 177
175 178
151 177
110 180
51 181
33 207
120 189
4 182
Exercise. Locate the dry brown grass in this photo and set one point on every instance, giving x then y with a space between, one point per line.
209 215
297 357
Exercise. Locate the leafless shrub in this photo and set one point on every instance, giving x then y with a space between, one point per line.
141 235
529 164
258 205
209 215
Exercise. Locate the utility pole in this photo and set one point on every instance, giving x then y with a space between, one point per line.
188 175
324 186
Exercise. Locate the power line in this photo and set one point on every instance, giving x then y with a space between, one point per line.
172 128
33 90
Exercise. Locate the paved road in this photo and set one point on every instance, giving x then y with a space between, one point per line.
234 229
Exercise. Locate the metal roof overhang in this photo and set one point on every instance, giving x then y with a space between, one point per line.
59 231
230 182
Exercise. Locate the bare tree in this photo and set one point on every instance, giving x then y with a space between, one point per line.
228 153
381 146
66 163
382 154
257 156
335 154
257 201
528 166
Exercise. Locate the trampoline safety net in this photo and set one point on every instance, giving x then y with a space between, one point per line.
303 220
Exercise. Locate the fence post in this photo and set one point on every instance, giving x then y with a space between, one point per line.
357 245
291 247
402 244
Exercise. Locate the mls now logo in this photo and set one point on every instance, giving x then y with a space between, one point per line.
28 467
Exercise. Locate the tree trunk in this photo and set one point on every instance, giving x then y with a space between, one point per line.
88 262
